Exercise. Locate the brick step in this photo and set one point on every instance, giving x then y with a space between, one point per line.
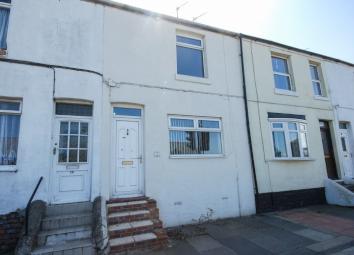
129 206
137 242
133 228
135 215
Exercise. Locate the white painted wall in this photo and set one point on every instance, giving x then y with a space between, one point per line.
140 52
341 82
66 33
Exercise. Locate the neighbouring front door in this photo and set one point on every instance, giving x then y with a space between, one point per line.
328 150
347 156
128 157
71 180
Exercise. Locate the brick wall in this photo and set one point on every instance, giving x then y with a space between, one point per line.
10 227
267 202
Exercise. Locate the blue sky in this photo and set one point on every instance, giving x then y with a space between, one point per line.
322 26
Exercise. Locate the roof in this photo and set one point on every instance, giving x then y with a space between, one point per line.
141 11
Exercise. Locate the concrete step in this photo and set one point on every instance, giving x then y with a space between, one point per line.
127 199
63 235
133 228
72 208
130 242
66 221
82 247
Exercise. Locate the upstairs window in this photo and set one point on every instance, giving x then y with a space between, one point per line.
190 56
10 112
194 136
289 139
316 80
281 73
4 22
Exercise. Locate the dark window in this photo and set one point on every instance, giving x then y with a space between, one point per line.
73 109
4 22
127 111
9 106
190 60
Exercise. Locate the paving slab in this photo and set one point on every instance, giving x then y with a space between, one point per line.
244 247
329 244
348 251
204 243
220 251
314 235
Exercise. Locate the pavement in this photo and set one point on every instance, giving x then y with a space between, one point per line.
322 229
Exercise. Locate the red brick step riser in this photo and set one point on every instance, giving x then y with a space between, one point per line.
135 231
124 208
152 215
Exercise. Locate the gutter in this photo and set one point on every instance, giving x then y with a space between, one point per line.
248 121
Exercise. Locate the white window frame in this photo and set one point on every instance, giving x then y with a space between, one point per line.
7 6
319 72
191 46
196 128
292 87
12 168
287 131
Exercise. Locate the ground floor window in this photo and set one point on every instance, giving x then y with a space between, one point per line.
10 112
289 139
195 136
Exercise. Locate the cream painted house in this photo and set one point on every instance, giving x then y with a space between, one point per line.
293 123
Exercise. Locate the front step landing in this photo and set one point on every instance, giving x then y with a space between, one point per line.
66 229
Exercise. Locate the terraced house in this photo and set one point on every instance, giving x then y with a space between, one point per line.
128 121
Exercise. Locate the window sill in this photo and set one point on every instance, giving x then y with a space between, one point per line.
193 79
8 169
197 156
321 98
290 159
286 92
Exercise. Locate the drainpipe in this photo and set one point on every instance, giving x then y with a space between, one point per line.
248 122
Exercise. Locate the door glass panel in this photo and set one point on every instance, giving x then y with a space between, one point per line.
344 146
72 155
74 127
63 141
62 155
292 126
73 141
64 127
124 111
83 142
83 156
83 128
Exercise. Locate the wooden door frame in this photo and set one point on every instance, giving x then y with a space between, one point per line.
332 140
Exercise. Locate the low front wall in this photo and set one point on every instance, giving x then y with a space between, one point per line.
267 202
10 229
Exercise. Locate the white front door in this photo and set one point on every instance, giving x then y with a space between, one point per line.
71 179
128 158
346 152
